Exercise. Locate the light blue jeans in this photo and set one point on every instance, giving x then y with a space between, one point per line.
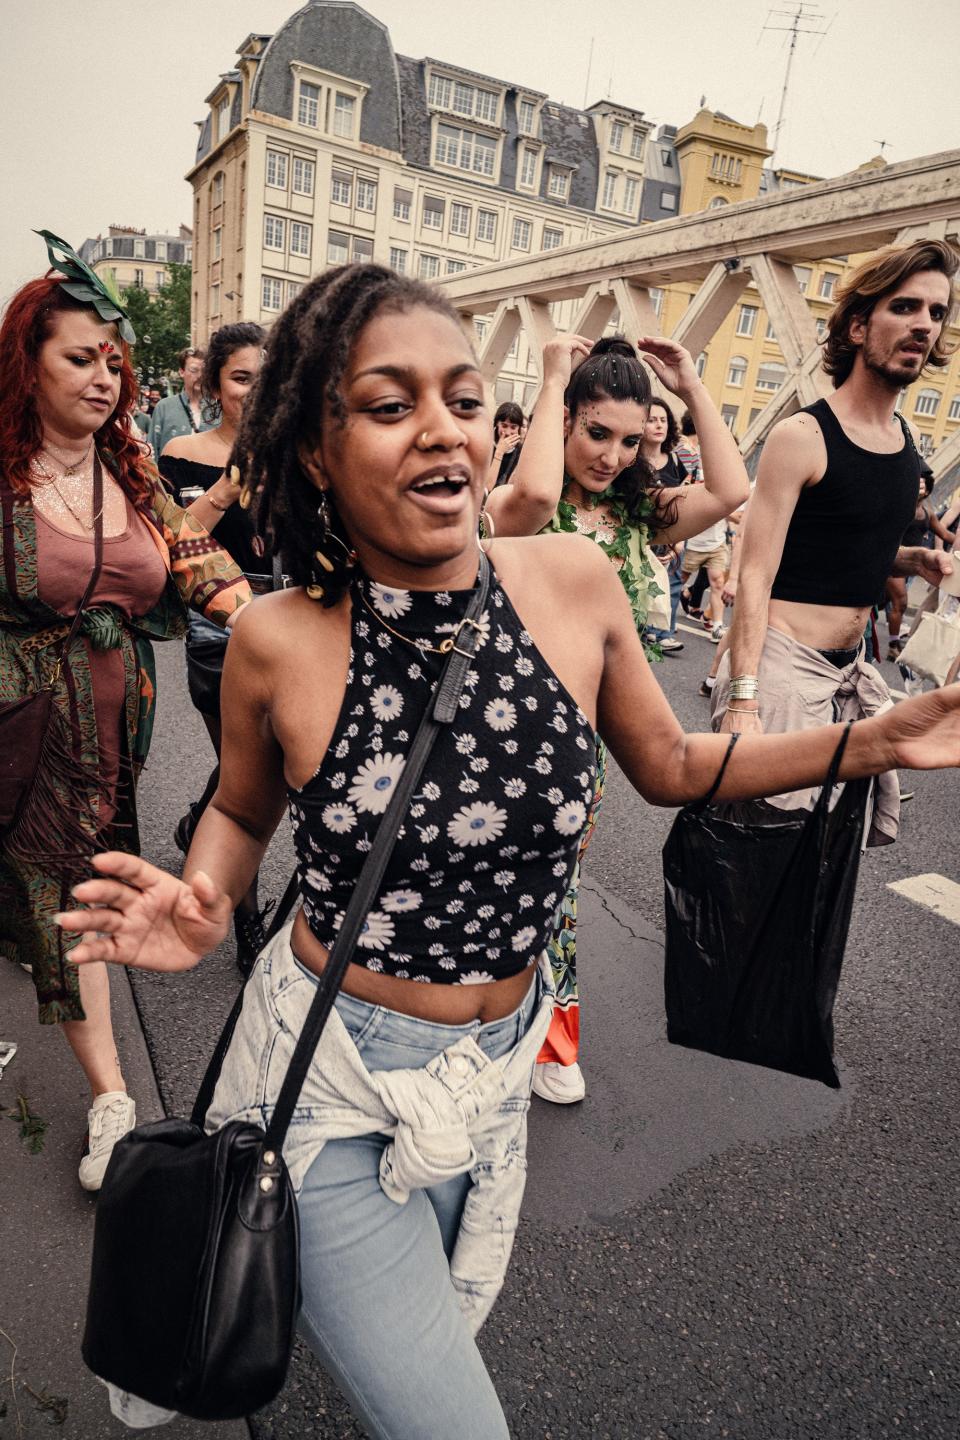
379 1309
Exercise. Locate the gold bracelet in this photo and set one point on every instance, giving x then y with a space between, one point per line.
216 503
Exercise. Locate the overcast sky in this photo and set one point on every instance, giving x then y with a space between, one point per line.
100 99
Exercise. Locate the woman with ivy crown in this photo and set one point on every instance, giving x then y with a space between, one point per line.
580 472
74 482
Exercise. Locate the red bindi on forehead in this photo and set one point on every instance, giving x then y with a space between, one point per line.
106 347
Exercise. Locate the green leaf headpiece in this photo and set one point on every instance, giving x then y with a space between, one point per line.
85 285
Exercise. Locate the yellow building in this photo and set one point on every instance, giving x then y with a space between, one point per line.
721 162
131 259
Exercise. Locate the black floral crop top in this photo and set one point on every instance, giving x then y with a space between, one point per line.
472 888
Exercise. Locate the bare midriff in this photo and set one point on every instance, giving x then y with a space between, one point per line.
822 627
441 1004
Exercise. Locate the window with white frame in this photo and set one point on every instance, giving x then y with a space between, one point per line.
480 326
609 190
463 98
728 414
737 370
747 320
366 194
271 293
656 300
428 266
527 115
216 194
701 363
925 445
223 119
636 144
344 115
433 210
301 238
361 249
293 289
402 200
771 375
161 250
455 266
138 249
528 167
616 136
308 107
214 299
303 176
216 248
552 239
274 228
827 283
341 188
459 219
338 247
466 99
631 195
138 279
927 402
718 202
487 104
465 150
486 224
802 273
161 278
768 334
276 170
954 412
558 184
668 200
398 260
821 327
520 237
439 91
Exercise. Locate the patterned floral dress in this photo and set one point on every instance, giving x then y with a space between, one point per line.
626 545
199 573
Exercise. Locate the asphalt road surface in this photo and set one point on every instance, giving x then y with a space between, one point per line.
708 1248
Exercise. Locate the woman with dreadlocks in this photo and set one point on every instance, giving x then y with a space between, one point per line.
83 511
581 472
368 440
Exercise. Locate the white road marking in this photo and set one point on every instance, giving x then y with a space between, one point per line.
934 892
693 629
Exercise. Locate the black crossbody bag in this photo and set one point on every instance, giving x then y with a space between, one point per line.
195 1283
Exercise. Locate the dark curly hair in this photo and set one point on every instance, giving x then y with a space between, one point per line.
223 343
306 356
879 275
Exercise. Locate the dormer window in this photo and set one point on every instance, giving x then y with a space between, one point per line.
616 136
308 110
465 150
558 186
527 117
636 146
472 101
344 115
222 116
528 167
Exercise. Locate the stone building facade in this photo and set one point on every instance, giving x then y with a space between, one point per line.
131 258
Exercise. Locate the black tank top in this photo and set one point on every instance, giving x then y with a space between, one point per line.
846 530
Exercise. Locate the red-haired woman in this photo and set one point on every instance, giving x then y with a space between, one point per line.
66 387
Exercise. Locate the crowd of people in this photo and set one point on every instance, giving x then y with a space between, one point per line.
315 524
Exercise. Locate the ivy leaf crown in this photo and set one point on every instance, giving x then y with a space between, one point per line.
86 285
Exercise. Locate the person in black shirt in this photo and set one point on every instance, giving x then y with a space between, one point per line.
661 435
508 430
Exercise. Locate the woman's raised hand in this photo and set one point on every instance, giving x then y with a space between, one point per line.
561 356
672 365
141 916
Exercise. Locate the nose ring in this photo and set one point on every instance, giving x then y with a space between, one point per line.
422 443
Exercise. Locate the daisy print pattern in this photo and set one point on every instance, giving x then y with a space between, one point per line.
491 837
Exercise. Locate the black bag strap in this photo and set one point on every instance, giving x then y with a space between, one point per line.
442 710
702 804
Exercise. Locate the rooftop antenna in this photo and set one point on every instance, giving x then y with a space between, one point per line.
804 19
884 145
586 85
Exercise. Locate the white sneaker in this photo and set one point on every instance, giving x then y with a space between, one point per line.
560 1084
110 1117
717 634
